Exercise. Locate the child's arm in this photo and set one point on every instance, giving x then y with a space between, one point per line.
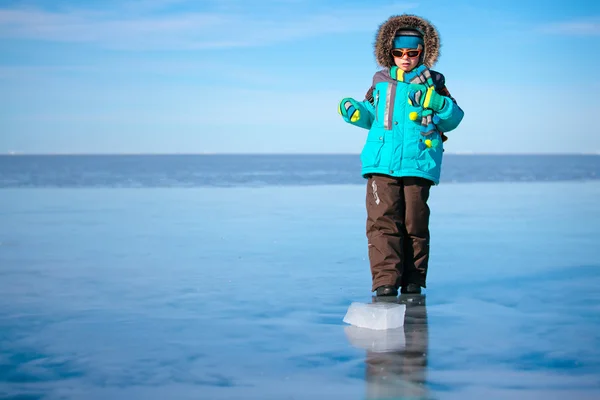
449 116
357 113
449 113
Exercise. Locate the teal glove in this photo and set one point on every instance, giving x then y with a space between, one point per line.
427 98
348 109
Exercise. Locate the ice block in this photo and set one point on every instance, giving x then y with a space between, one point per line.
378 316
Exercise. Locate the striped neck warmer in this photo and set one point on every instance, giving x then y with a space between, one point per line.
420 76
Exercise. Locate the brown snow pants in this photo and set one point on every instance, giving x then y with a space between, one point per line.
398 230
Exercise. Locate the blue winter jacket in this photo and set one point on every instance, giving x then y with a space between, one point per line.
392 144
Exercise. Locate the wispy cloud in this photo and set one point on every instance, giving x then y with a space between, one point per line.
187 28
590 27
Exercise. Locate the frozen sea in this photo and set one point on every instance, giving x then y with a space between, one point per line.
227 277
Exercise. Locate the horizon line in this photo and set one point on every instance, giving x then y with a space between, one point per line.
462 153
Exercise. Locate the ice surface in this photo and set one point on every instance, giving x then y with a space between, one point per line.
376 316
240 294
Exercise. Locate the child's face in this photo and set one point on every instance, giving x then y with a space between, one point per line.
406 59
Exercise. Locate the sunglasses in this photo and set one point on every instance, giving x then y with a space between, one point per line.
411 53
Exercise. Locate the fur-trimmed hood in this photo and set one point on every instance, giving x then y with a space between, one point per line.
385 39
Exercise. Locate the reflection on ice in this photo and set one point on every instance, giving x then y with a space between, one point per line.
375 340
396 359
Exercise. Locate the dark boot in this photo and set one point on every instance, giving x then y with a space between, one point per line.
411 288
387 290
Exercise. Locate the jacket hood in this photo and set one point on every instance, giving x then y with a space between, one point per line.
384 42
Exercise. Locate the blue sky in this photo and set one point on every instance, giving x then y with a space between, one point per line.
242 76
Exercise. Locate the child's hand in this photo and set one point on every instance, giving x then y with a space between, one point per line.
427 98
348 109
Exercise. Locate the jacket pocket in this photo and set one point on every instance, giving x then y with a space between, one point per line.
371 152
429 159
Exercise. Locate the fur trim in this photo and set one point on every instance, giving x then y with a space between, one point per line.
384 41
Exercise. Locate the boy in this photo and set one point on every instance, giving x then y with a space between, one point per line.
406 111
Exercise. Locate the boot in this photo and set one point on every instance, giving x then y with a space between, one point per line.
411 288
387 290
